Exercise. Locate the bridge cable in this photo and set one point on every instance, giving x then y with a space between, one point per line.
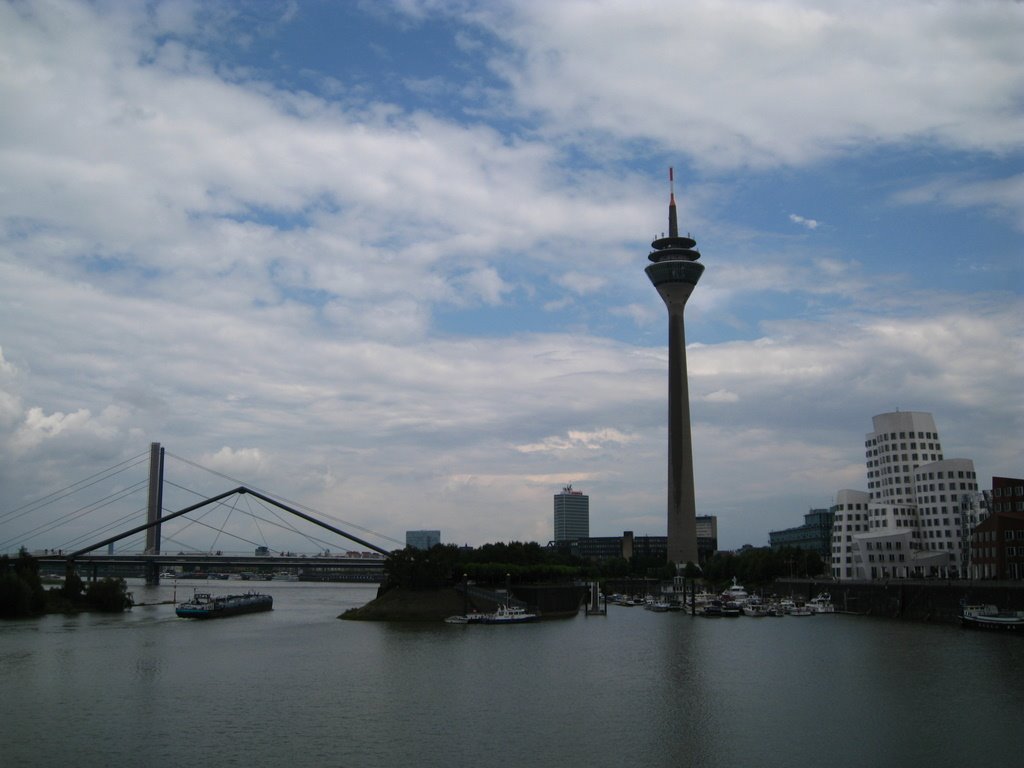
77 514
68 490
256 521
227 519
78 540
296 504
284 522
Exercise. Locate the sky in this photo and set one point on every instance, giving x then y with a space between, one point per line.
385 259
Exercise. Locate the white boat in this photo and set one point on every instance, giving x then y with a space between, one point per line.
822 603
800 609
754 607
735 594
508 614
658 606
990 617
697 601
467 618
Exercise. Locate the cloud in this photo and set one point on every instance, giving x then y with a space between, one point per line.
241 463
39 427
721 396
196 254
809 223
581 283
1002 196
574 439
838 76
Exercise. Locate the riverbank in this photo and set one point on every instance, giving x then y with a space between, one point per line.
398 604
927 600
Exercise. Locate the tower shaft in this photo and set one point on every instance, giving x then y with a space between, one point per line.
682 505
674 272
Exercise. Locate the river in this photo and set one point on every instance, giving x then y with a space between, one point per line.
297 687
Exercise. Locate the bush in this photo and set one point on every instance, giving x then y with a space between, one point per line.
108 595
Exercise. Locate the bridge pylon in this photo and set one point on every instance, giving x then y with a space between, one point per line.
154 511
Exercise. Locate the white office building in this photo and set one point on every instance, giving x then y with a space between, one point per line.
911 523
850 518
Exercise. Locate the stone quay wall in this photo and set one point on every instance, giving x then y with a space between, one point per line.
911 599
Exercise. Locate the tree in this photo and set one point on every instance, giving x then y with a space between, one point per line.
108 595
21 590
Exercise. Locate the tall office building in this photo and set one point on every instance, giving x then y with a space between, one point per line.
422 539
674 272
572 515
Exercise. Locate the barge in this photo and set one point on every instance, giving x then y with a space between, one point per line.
203 605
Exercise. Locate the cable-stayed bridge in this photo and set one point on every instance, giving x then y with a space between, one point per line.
142 545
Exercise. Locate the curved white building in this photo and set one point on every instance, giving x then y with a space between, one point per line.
850 518
912 525
940 487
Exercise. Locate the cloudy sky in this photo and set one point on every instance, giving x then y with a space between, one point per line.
386 259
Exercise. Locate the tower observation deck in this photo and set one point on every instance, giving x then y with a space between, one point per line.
674 272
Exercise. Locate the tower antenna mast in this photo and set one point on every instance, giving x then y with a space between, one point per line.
673 226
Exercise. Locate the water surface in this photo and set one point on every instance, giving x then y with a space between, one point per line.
298 687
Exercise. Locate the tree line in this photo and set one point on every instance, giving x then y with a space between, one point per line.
528 562
22 592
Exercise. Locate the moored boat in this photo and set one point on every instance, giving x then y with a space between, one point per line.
712 610
466 618
800 609
822 603
658 606
735 594
203 605
754 607
990 617
731 609
508 614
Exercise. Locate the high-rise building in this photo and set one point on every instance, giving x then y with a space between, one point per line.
572 515
814 535
912 526
707 537
674 272
422 539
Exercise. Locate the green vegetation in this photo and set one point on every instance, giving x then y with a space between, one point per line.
755 567
22 593
522 562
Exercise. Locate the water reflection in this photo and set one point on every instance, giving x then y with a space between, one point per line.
298 686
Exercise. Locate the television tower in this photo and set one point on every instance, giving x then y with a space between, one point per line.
674 271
